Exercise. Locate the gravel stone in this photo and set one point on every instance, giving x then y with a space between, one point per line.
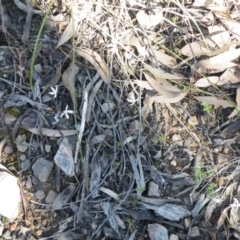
28 183
7 235
64 158
39 232
153 189
35 180
25 164
8 149
40 195
51 197
42 169
22 157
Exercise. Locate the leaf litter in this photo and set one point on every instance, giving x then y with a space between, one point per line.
114 101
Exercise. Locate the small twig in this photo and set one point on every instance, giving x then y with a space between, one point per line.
84 114
27 25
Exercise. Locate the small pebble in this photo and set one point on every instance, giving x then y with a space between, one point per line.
186 222
39 232
25 164
193 121
35 181
51 197
21 143
13 227
8 119
174 163
40 195
8 149
47 148
153 189
173 237
44 222
28 183
7 235
22 157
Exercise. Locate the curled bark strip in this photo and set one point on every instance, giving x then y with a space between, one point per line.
24 7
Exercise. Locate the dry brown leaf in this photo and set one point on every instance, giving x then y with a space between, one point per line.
198 48
161 85
214 101
143 84
222 218
221 12
203 3
148 21
68 79
233 27
147 105
176 97
125 37
163 59
230 75
207 81
95 59
237 109
219 35
134 41
221 61
68 32
51 132
221 68
158 73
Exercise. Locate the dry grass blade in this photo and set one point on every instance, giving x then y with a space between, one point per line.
68 79
51 133
149 21
95 59
214 101
138 174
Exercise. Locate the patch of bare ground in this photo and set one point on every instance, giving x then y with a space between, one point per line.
119 120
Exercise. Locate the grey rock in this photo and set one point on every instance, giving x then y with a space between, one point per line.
22 157
7 235
153 189
28 183
40 195
42 169
51 197
173 237
8 149
157 232
25 164
35 180
63 197
64 158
